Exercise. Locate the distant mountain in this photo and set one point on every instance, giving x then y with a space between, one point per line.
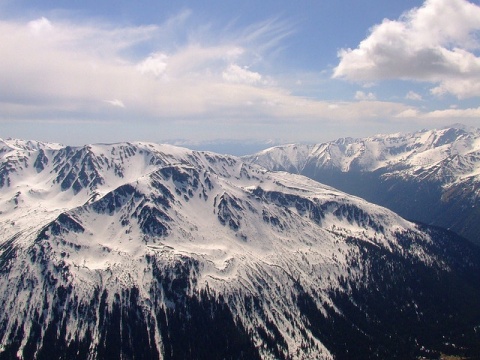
432 176
226 146
146 251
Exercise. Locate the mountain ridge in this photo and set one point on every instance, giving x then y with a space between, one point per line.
125 250
409 173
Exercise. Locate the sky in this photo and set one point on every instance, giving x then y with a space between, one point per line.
79 72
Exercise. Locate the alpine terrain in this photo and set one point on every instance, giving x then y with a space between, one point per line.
147 251
432 176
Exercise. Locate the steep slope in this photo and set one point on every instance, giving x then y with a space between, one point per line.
150 251
429 176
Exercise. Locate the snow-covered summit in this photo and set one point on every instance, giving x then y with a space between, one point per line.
425 149
126 247
431 176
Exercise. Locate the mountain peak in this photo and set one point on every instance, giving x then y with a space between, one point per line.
153 251
415 174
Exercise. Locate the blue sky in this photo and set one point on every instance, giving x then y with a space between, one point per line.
78 72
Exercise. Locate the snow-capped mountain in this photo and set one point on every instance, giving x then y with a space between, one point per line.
431 176
235 147
141 251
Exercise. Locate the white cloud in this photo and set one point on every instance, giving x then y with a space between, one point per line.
155 64
452 114
236 74
412 95
41 25
409 113
362 96
72 70
116 102
435 43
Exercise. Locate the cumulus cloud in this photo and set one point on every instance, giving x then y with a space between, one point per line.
452 114
73 70
362 96
473 113
41 25
412 95
408 113
437 43
237 74
155 64
116 102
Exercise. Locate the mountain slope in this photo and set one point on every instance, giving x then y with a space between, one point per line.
144 251
429 176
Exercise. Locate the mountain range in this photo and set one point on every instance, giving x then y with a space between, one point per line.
431 176
141 251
